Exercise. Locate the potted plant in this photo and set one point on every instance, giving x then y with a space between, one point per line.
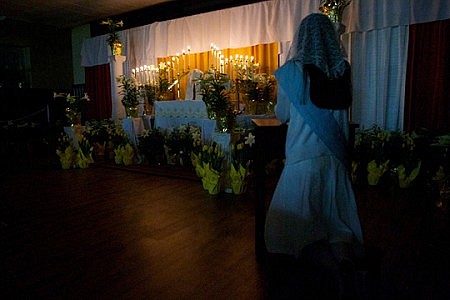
240 161
113 38
180 143
151 146
74 107
130 95
379 151
217 99
209 167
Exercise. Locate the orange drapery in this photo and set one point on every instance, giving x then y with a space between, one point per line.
265 54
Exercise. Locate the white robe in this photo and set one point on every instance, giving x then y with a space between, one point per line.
314 198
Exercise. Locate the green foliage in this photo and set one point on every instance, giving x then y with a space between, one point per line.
214 92
112 26
129 91
241 149
151 145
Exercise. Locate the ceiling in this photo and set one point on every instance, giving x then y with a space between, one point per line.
69 13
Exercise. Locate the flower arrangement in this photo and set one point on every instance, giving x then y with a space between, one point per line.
258 89
124 154
209 165
180 143
383 150
151 146
84 152
155 82
119 143
259 92
98 131
334 8
241 149
163 79
130 95
74 106
117 135
106 136
113 38
241 161
71 156
214 91
66 151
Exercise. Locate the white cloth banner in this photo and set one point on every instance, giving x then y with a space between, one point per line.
378 60
376 39
364 15
243 26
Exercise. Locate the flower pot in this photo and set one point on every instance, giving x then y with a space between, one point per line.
65 163
99 151
73 117
128 160
213 182
405 180
82 160
239 187
376 171
214 188
131 111
116 48
238 179
118 156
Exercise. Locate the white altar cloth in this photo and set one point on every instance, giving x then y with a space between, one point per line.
172 114
133 127
72 134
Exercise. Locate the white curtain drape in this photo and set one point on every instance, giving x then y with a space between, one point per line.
243 26
366 15
376 40
378 60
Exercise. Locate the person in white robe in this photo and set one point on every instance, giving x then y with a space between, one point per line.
313 200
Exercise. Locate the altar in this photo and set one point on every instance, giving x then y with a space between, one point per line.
172 114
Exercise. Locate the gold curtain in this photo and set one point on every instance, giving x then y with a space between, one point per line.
265 54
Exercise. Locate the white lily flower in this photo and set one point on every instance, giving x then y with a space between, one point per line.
250 139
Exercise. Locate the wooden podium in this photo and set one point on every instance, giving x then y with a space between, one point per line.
270 144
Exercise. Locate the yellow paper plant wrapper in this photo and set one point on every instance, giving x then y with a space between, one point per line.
128 155
376 171
404 180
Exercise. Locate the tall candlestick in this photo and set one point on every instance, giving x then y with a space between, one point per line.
178 64
141 73
211 63
183 58
189 57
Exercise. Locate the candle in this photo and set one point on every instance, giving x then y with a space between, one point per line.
145 75
178 64
184 60
168 71
212 56
173 67
219 55
227 68
189 57
231 67
141 74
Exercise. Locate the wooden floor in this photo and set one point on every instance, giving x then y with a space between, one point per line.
104 233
